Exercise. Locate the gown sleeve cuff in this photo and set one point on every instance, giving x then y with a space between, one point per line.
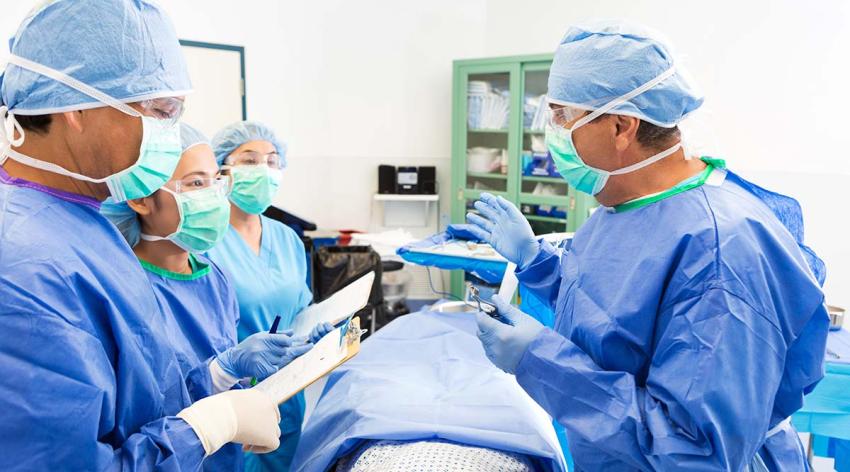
185 443
542 365
542 266
545 337
221 380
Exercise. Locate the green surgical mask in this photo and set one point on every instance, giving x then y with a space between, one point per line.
204 218
254 187
581 176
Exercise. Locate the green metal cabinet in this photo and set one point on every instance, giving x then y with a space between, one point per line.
512 78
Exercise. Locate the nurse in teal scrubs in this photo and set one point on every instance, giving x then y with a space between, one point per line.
264 259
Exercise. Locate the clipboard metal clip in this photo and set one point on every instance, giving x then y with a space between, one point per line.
351 331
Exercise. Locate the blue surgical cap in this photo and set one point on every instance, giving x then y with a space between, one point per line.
599 62
124 218
125 48
234 135
191 136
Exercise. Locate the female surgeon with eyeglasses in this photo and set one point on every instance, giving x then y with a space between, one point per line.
169 232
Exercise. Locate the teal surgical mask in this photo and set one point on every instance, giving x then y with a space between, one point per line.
159 153
254 187
204 219
571 166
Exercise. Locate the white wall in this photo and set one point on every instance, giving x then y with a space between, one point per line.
349 85
775 74
354 84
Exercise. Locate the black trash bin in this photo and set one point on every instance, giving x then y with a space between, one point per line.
334 267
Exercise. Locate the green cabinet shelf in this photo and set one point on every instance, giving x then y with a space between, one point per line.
548 200
493 108
545 180
547 219
485 175
492 131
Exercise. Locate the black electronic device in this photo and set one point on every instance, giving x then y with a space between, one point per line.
407 180
386 179
428 180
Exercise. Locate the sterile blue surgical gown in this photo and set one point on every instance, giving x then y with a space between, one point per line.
685 330
201 315
90 380
269 284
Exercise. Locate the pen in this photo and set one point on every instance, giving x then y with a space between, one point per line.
272 330
275 324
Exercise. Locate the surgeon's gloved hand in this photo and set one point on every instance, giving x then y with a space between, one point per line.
504 343
503 226
248 417
319 332
261 355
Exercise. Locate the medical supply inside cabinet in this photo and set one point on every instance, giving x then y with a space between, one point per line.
543 193
488 107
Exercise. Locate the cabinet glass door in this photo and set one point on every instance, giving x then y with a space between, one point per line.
488 109
543 195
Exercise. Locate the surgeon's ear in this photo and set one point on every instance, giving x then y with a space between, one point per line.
142 206
73 119
625 131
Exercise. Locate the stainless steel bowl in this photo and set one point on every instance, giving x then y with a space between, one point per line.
395 285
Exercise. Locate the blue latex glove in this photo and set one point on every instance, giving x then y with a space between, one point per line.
503 226
319 331
261 355
504 343
460 231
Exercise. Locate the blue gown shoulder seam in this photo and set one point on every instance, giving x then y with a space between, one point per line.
715 286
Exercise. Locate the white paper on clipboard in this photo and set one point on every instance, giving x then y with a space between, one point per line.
326 355
336 308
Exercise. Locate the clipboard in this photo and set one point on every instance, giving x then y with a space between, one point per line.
337 308
336 348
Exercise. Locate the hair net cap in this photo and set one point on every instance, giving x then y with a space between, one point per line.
127 49
124 218
234 135
596 63
191 136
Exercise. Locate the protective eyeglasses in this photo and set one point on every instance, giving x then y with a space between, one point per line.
167 109
190 184
254 158
559 116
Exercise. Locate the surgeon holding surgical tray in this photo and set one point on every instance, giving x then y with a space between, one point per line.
169 230
690 319
91 377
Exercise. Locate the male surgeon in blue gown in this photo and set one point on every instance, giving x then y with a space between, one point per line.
89 105
690 319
